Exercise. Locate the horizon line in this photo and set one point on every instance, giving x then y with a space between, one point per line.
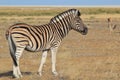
109 6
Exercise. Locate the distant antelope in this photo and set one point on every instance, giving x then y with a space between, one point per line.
110 25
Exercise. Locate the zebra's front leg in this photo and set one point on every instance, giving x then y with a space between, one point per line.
53 52
43 60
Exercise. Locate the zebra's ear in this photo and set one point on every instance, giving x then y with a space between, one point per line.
78 13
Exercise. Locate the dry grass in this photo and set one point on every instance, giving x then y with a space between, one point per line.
45 11
95 56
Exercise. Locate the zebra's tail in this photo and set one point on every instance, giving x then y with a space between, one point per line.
12 48
7 34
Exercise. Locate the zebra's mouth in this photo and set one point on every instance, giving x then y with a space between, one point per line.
84 32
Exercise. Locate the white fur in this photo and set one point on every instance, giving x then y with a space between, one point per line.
43 60
53 52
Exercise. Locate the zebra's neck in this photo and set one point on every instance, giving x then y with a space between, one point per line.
63 27
63 22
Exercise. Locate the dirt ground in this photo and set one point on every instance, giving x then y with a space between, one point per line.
95 56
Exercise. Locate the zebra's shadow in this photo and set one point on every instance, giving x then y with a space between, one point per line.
6 74
117 32
10 73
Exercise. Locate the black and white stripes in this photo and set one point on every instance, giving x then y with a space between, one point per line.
42 38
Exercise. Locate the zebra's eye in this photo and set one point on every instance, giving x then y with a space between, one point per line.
78 19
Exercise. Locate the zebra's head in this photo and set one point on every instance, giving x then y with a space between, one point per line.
71 18
77 23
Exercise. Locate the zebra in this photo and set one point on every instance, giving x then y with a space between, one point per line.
22 36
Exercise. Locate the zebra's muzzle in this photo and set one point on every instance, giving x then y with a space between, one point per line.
85 31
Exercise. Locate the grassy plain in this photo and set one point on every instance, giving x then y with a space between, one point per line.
95 56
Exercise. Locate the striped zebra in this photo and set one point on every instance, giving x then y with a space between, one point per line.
43 38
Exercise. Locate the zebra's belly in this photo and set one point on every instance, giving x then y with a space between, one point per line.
28 48
32 49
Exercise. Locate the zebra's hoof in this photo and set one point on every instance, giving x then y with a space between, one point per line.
17 76
40 74
55 73
20 76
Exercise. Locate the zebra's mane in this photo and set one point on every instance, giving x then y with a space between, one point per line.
68 12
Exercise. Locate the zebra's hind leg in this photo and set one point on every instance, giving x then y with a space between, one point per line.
16 68
53 52
43 60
